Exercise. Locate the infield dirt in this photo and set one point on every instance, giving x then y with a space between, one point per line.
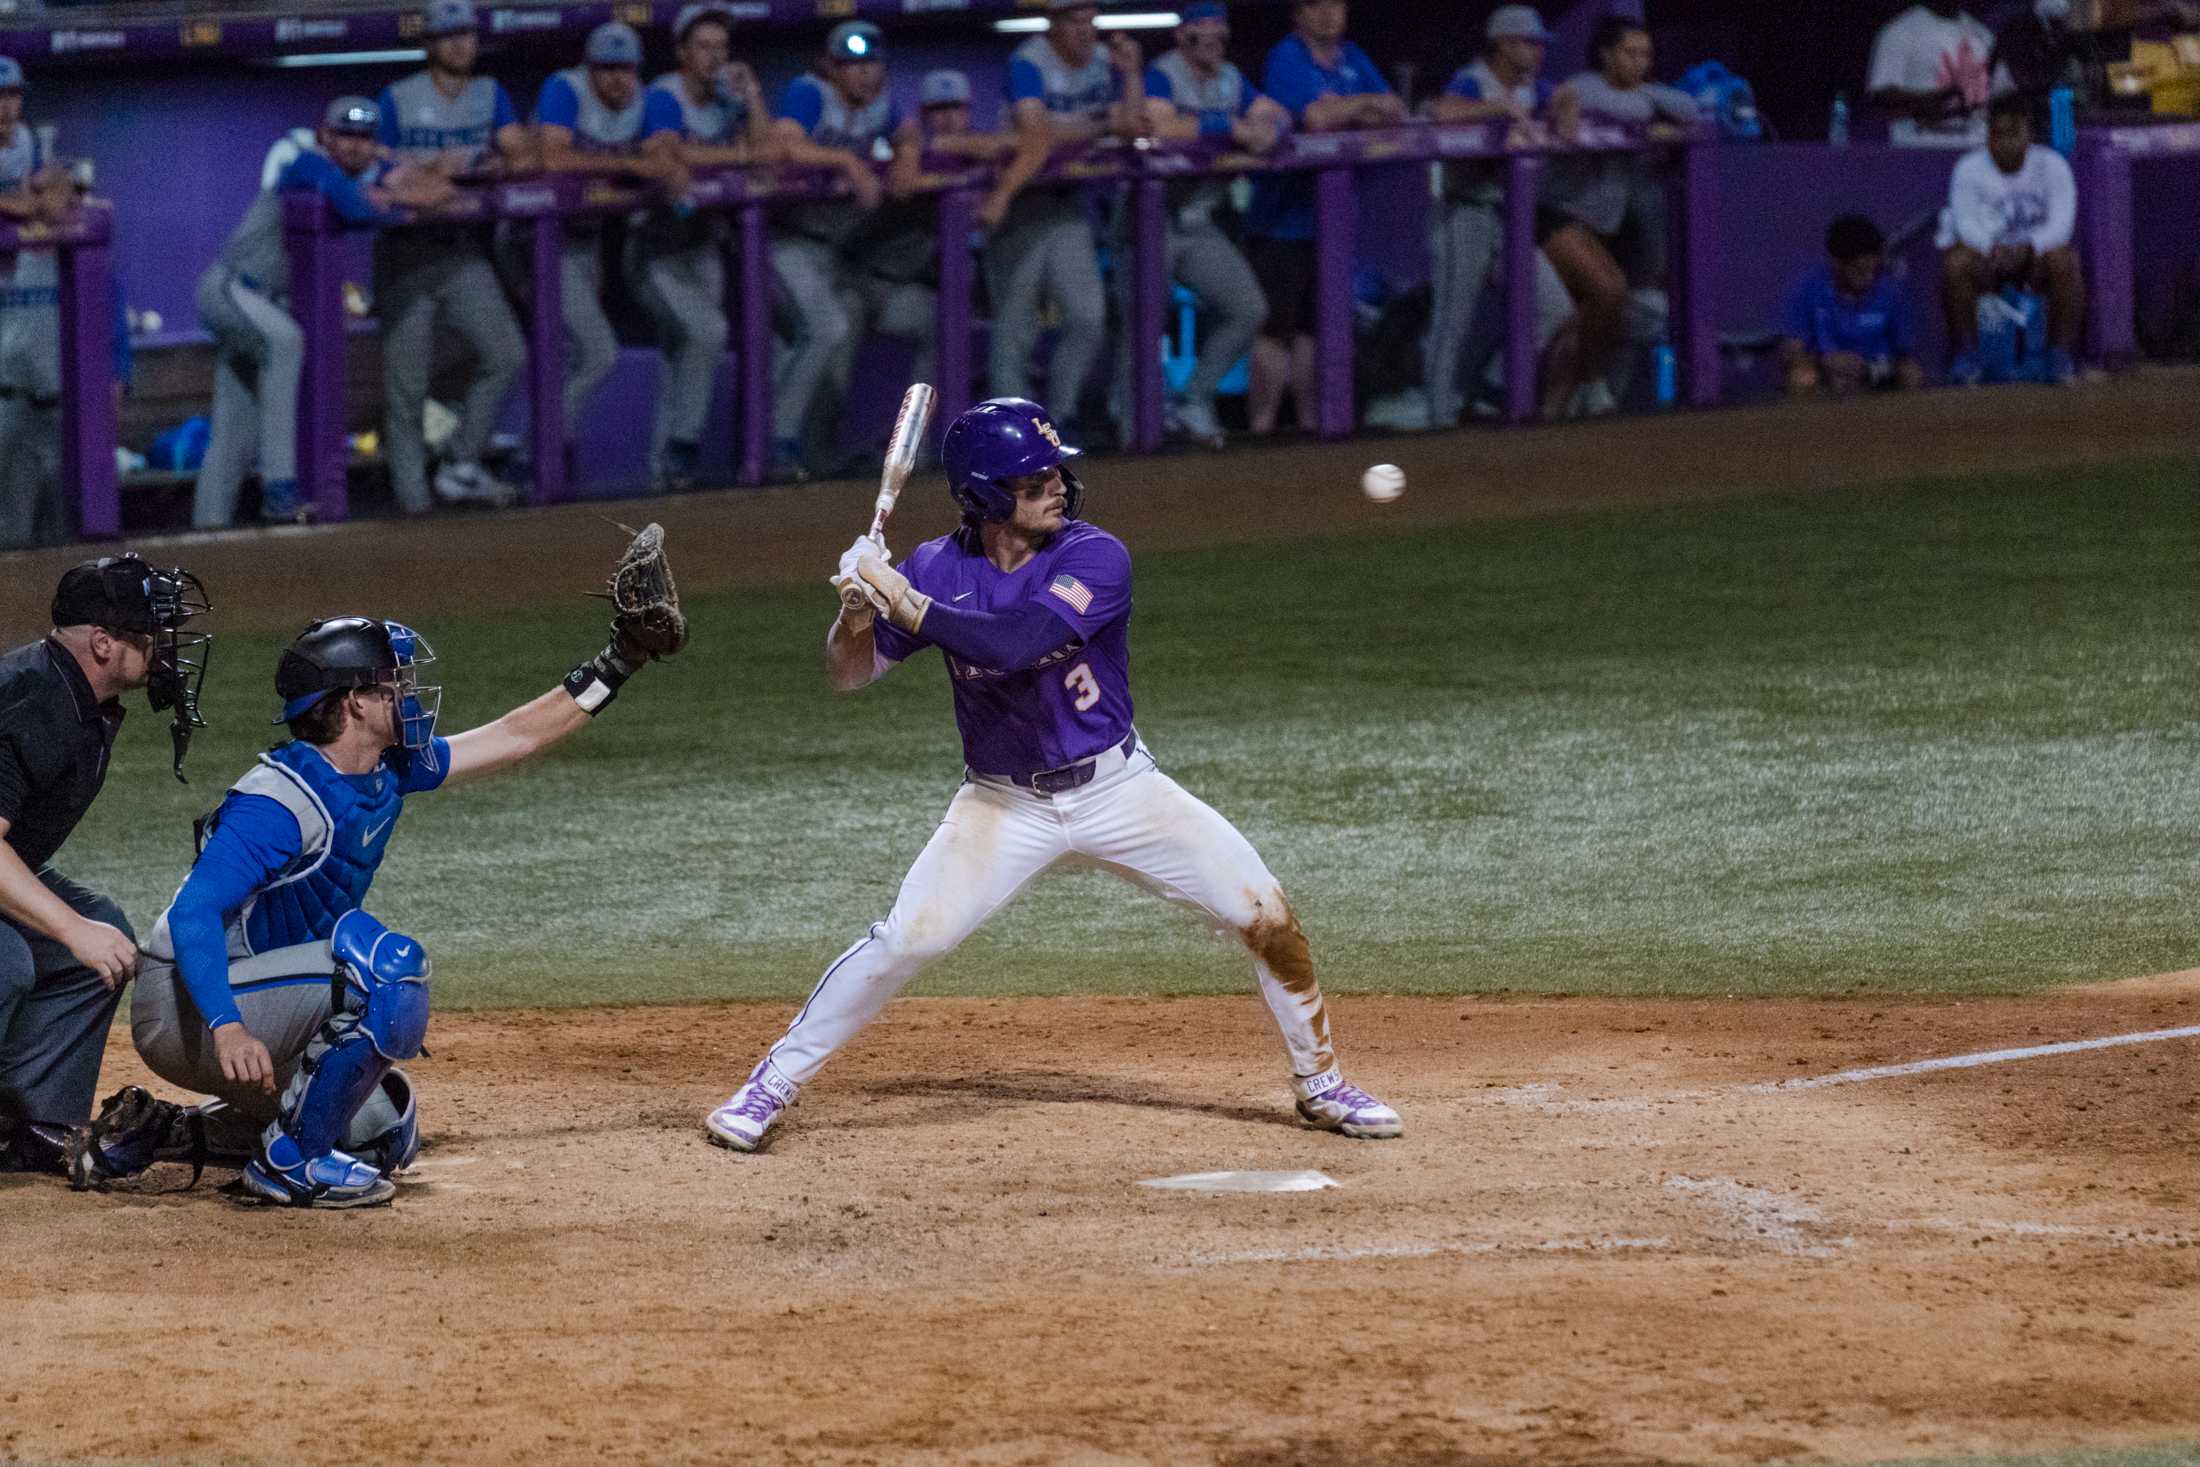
1590 1247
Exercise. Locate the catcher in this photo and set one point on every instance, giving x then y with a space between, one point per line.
266 984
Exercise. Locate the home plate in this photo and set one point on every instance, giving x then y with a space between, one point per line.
1243 1182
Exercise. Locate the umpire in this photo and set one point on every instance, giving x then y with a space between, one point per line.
65 950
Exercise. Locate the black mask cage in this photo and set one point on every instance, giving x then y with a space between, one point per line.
179 658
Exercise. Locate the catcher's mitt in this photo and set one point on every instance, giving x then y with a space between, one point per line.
646 618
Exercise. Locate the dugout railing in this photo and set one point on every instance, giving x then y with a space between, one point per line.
86 307
537 206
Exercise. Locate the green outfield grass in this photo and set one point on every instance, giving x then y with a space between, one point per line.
1939 737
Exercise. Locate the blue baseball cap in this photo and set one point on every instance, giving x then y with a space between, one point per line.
614 43
856 40
11 75
1205 10
352 117
1516 23
450 18
944 88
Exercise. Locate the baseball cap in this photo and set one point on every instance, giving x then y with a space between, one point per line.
1516 23
113 591
944 88
614 43
450 17
1205 10
856 40
702 10
11 75
353 117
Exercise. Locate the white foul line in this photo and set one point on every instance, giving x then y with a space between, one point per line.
1968 1061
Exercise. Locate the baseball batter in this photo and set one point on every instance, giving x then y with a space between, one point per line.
1031 606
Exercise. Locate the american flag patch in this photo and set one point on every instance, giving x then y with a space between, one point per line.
1074 591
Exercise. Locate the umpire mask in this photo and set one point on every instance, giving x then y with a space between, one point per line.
125 593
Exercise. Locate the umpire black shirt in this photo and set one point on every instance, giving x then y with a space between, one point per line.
55 738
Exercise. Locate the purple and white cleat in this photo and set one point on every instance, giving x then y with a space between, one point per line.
1327 1103
743 1122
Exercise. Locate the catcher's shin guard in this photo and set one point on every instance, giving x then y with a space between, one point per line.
132 1131
383 1018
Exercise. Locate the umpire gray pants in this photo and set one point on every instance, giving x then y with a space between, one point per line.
418 282
685 291
591 350
54 1012
1052 255
259 356
284 997
1466 247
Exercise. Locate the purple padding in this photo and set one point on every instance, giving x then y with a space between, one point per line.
2165 235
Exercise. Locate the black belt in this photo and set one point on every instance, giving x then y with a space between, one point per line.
1070 776
35 399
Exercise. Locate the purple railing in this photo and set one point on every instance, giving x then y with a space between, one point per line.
747 194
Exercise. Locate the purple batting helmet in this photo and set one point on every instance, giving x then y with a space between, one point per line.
1000 439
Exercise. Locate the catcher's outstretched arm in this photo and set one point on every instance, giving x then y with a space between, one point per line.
520 734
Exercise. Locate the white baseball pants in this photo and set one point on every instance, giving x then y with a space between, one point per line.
1132 820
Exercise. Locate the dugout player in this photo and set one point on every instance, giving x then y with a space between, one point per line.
1200 93
236 997
33 189
1063 89
65 950
244 302
1327 84
595 118
1030 605
681 258
447 118
835 118
1466 235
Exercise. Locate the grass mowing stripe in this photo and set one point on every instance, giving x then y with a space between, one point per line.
1936 737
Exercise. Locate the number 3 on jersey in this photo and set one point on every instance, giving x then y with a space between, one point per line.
1080 682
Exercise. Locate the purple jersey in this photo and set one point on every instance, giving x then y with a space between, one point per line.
1076 701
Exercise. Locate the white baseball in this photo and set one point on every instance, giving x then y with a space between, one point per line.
1383 483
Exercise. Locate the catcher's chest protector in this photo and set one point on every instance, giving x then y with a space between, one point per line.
344 826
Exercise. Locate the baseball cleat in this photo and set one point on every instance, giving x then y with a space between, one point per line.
473 484
743 1122
278 1174
1327 1103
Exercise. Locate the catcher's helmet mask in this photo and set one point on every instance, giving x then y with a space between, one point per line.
126 593
1000 439
345 653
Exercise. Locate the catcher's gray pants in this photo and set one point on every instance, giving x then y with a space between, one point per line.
54 1012
259 355
813 298
416 283
1466 246
686 293
1053 255
591 350
284 996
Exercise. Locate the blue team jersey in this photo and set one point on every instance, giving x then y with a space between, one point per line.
293 847
1037 73
568 101
1075 702
1283 207
1875 326
419 120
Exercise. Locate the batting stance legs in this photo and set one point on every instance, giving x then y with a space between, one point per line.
1132 820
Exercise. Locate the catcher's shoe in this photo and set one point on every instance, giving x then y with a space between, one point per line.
132 1131
743 1122
280 1175
1327 1103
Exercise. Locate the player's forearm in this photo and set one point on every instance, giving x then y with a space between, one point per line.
519 735
25 899
851 654
1005 641
202 957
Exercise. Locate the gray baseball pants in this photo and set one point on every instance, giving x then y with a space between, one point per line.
54 1012
31 509
417 283
813 298
686 293
1466 244
591 348
259 356
284 997
1052 255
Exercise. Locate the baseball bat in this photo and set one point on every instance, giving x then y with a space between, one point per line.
901 450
